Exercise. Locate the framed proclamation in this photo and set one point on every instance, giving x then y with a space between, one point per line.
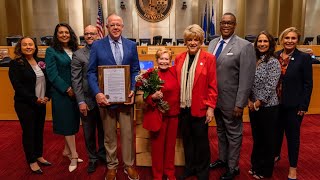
114 83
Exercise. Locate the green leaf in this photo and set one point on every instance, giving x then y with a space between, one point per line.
145 94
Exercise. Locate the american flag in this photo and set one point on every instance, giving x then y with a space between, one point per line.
100 22
205 26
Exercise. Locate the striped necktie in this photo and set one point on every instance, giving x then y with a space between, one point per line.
117 53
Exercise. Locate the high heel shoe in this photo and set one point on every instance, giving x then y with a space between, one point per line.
73 165
45 163
69 156
38 171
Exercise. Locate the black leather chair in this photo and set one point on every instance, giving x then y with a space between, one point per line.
156 40
250 38
13 40
145 41
166 40
308 40
179 41
318 40
47 40
82 41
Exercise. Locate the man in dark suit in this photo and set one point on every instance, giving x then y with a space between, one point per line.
236 63
89 110
115 50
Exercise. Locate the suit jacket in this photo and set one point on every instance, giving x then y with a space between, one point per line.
204 91
101 54
235 71
297 82
23 80
79 68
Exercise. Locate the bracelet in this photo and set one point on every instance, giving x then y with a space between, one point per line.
255 108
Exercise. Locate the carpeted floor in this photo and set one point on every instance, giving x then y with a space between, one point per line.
13 164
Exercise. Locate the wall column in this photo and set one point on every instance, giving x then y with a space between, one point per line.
27 17
3 22
63 11
298 15
273 17
241 17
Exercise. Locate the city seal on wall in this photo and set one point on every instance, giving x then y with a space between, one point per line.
153 10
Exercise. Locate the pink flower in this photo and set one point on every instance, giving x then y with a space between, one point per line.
42 64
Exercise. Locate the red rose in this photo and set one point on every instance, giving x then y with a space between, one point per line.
138 84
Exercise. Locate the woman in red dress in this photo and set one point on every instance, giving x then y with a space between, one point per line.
163 126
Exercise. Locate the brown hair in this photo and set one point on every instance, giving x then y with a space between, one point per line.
18 52
272 45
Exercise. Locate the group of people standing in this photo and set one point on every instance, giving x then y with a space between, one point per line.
200 86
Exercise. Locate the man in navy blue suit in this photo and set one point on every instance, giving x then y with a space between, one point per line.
115 50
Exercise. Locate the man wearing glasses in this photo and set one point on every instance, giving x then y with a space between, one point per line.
236 63
115 50
89 110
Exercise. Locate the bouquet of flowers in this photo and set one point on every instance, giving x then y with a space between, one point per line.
150 82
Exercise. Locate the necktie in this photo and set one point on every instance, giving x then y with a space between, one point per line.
117 53
219 49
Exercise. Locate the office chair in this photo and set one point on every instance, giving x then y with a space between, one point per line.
82 41
250 38
180 42
145 41
46 40
318 40
308 40
156 40
166 41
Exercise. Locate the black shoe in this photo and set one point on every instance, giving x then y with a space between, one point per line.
92 166
186 174
39 171
46 163
230 174
218 164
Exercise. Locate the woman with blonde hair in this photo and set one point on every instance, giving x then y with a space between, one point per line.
196 72
294 92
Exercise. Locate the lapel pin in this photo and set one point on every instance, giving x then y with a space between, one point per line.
292 59
201 64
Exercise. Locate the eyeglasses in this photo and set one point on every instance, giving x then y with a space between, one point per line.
114 25
90 33
227 23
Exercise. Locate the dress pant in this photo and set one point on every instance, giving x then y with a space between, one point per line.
229 130
110 116
31 119
90 123
263 127
163 148
289 123
195 143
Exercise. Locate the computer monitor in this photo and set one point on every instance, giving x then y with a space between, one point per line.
166 41
308 40
145 42
180 42
13 40
145 65
46 40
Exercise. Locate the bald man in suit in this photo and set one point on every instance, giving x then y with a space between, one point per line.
89 110
236 63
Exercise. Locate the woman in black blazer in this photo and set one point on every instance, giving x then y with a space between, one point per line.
294 91
28 79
